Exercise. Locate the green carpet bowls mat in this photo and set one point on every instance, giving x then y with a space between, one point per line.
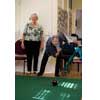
40 88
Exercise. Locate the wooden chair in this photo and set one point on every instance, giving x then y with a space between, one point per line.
20 54
78 62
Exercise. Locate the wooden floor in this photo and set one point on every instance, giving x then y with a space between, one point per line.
72 74
68 75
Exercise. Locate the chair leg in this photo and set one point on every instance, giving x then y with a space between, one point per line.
78 65
24 67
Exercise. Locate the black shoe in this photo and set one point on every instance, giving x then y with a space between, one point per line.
57 75
34 72
39 74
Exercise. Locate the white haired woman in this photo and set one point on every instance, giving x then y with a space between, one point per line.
32 38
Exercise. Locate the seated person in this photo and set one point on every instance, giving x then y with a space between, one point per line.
68 44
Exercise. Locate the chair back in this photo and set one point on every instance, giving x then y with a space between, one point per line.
18 48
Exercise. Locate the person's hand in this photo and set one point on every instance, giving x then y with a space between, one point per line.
41 49
58 50
42 46
76 42
57 54
22 45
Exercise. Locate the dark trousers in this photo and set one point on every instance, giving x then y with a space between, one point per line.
58 67
32 50
44 62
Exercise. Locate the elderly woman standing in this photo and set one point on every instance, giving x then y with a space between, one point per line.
31 41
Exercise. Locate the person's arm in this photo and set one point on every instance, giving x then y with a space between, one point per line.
58 52
23 36
69 39
41 38
62 39
51 51
72 40
22 41
58 49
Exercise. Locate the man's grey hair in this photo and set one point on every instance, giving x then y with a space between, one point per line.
55 36
34 14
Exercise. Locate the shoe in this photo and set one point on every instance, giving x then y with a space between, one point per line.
34 72
39 74
28 72
63 73
57 75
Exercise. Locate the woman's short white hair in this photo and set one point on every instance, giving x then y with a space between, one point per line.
34 14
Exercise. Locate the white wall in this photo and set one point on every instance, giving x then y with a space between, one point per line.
46 9
17 18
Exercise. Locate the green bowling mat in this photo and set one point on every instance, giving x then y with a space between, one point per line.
40 88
